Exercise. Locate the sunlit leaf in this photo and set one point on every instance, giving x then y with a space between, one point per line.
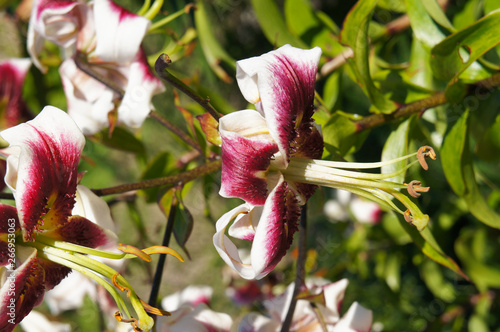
340 135
396 146
273 25
212 49
355 35
457 52
459 171
429 246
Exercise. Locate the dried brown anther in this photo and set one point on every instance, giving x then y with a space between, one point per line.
414 188
425 152
408 217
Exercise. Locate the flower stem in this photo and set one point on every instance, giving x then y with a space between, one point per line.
300 271
161 66
181 178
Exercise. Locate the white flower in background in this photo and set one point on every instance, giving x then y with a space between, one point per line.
36 322
347 205
192 295
307 317
108 39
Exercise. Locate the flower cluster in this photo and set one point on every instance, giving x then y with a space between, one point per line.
105 74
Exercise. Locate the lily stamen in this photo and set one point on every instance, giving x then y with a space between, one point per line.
414 188
423 153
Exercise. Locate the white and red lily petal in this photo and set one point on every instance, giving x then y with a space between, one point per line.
281 83
59 21
247 149
273 236
142 85
42 172
119 32
13 73
22 289
192 295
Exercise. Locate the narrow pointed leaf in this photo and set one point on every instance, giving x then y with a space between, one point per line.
273 25
459 171
355 35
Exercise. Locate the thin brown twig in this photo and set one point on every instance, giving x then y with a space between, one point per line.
176 179
161 66
419 106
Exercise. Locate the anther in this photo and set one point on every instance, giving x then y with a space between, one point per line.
425 152
408 217
414 188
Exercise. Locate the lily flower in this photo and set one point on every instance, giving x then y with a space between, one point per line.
323 315
105 70
270 160
41 240
13 109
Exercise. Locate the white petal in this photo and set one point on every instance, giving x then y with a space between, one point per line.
357 319
192 295
70 293
226 248
119 32
142 86
36 322
89 101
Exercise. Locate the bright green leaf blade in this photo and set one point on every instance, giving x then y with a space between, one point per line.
396 146
437 13
459 51
424 28
273 25
355 35
459 172
428 244
451 155
300 17
339 135
213 51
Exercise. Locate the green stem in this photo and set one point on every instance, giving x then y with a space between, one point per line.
161 66
181 178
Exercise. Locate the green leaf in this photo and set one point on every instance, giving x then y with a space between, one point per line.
488 147
429 247
424 28
212 49
340 136
491 5
460 50
482 274
273 25
396 146
183 224
355 35
122 140
300 18
162 165
437 13
459 171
